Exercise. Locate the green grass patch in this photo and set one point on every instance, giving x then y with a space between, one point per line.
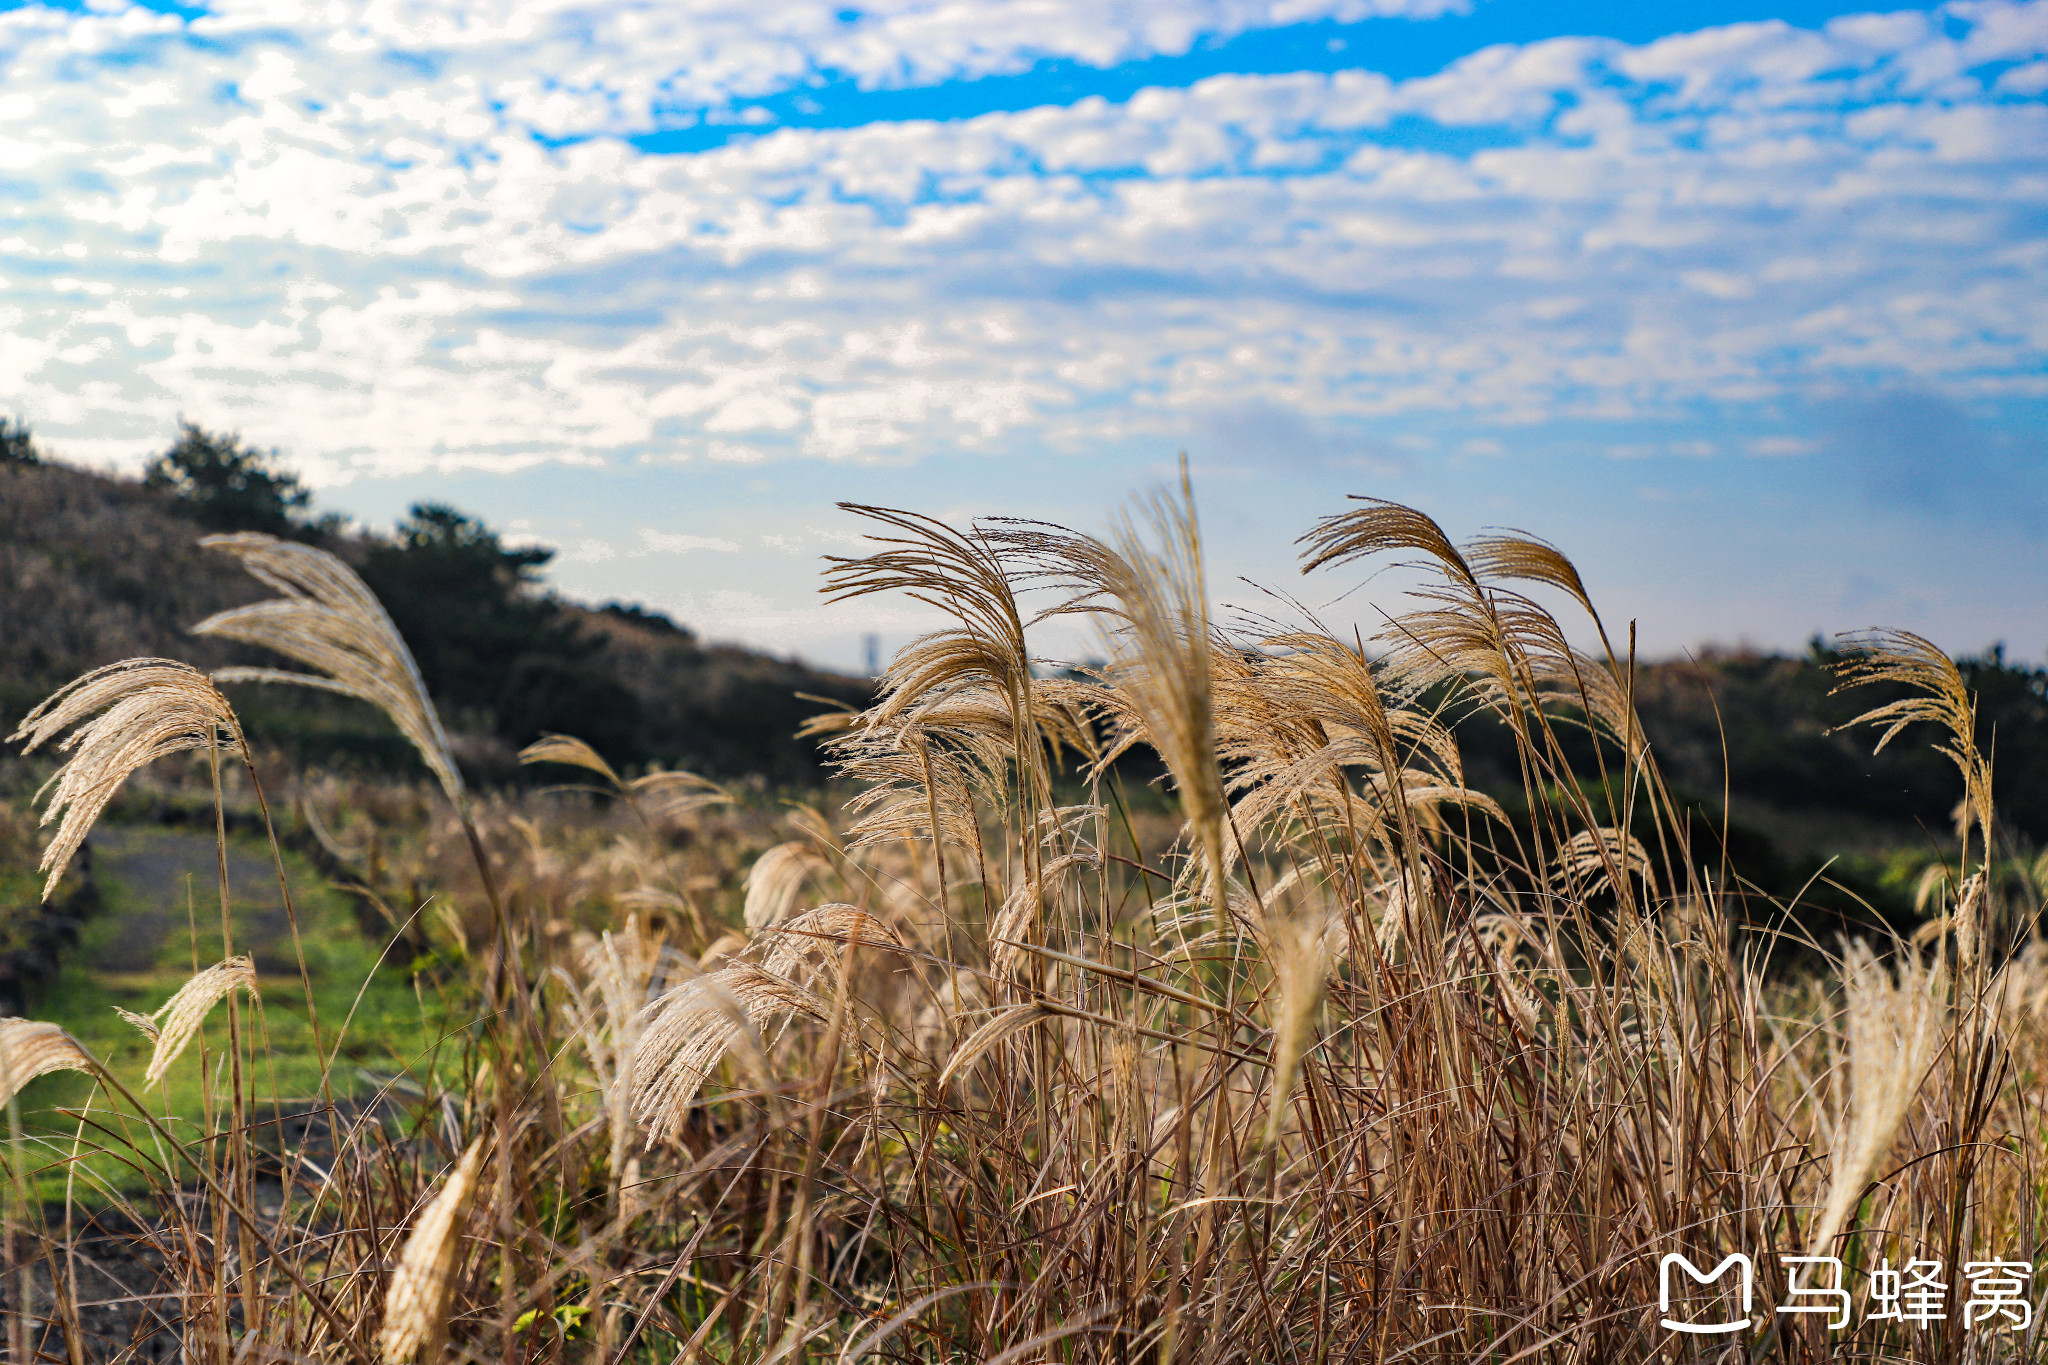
160 916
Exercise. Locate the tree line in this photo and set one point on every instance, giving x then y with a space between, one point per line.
501 654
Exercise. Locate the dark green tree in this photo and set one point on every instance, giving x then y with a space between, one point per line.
488 641
225 485
17 446
2012 729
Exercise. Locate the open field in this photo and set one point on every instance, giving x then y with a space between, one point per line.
1318 1052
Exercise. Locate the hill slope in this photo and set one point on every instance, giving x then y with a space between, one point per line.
95 569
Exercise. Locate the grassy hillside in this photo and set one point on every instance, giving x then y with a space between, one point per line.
96 569
1761 753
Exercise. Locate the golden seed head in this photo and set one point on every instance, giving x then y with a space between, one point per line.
416 1304
30 1048
127 715
179 1018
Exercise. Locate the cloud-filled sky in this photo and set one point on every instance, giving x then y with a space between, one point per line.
1743 304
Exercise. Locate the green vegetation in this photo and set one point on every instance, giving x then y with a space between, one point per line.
17 444
227 486
491 645
158 923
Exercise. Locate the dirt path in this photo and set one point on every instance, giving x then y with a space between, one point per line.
153 871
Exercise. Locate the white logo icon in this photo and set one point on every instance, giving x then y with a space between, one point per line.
1736 1259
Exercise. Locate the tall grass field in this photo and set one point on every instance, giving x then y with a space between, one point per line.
1184 1006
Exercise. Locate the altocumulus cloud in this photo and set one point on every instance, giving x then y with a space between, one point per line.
402 238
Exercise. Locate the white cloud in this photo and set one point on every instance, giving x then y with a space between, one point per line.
653 542
535 57
380 270
588 551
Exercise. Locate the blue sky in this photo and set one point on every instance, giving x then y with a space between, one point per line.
1744 305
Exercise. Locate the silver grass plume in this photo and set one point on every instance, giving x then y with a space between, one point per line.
723 949
1462 636
1601 691
1300 948
1321 718
30 1048
777 878
128 715
1147 579
1161 662
619 970
416 1304
1892 1028
1590 860
1497 641
666 793
984 656
826 932
1938 697
688 1029
328 620
177 1021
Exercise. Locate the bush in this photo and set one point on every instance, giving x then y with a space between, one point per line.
227 486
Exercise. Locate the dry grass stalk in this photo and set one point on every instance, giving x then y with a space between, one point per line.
416 1306
30 1048
689 1029
1301 959
1893 1025
953 1001
177 1021
776 880
127 716
330 622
